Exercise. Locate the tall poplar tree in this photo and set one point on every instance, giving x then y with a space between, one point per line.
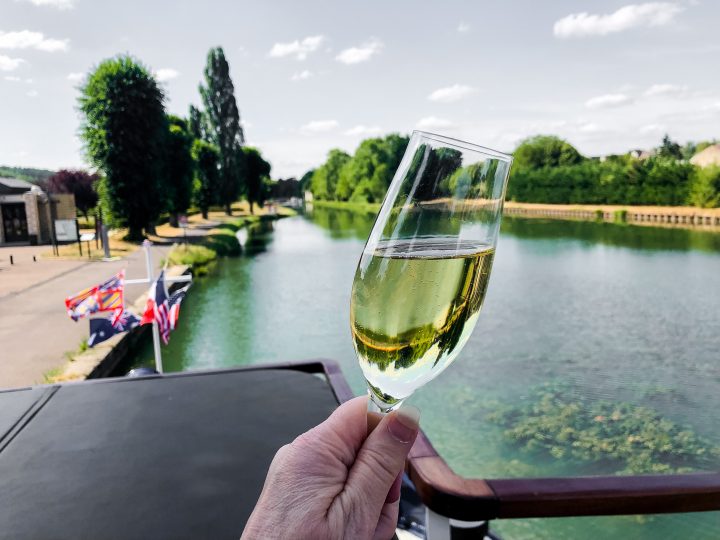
223 124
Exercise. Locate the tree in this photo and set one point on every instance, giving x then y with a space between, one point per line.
207 158
545 151
305 182
257 171
79 183
197 123
325 178
223 123
705 187
670 149
179 168
124 130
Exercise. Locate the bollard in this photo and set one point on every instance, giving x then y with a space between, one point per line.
34 259
11 260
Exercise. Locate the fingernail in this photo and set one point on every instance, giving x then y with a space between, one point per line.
403 424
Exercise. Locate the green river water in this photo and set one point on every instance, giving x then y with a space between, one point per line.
615 313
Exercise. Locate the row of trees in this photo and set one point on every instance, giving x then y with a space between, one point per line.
152 162
546 170
550 170
363 177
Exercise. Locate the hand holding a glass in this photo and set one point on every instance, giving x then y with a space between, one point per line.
424 271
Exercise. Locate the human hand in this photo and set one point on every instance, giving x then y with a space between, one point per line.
336 480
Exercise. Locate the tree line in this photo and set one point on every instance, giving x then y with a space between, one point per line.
152 163
546 169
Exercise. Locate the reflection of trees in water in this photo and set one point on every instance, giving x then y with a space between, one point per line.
404 349
259 237
631 236
343 223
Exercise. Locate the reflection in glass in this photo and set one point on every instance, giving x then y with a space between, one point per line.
424 271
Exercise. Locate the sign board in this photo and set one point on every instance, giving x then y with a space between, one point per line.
183 222
66 230
86 237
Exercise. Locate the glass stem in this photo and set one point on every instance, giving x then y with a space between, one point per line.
377 408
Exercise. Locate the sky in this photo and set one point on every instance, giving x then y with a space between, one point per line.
309 76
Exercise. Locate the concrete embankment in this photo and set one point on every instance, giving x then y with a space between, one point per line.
676 216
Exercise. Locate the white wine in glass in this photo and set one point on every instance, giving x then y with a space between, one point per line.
424 272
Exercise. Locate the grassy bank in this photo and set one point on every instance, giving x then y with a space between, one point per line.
218 241
370 208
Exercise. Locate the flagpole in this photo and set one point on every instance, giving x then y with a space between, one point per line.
155 331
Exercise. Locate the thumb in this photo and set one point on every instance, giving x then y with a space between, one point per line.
382 458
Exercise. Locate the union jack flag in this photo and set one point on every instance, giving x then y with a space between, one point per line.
161 309
108 296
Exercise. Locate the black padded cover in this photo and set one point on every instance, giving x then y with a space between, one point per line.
170 457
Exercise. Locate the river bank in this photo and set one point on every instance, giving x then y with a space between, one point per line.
657 216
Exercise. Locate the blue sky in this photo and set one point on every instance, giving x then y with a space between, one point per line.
312 75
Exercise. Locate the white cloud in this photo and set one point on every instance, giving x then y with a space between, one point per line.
298 48
301 75
625 18
9 64
166 74
60 4
589 127
652 128
433 122
452 93
32 93
666 90
12 78
25 39
363 53
364 130
607 100
319 126
75 77
463 27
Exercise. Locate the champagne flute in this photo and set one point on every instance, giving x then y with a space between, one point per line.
423 274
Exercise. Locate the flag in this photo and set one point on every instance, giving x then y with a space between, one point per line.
174 303
103 328
108 296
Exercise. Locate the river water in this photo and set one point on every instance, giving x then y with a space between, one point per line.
614 313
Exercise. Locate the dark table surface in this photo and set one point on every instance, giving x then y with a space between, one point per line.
179 456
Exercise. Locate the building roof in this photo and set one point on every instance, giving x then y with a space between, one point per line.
14 186
709 156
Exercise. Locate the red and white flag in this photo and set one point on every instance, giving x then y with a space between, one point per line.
161 309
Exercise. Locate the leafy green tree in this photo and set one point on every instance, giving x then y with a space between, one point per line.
325 178
197 123
670 149
257 174
430 169
305 182
179 168
124 132
207 159
705 187
223 123
545 151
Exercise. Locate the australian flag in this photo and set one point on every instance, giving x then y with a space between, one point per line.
102 329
